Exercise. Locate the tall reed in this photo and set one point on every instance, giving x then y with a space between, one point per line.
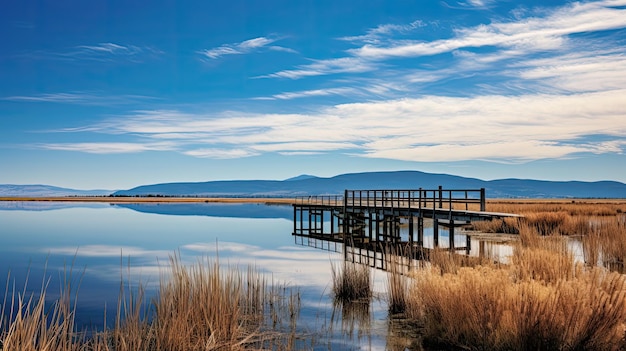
29 322
543 300
397 285
351 281
198 307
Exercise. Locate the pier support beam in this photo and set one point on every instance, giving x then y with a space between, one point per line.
451 236
435 232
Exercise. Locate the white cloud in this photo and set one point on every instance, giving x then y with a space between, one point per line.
375 35
110 48
101 53
476 4
79 98
109 147
498 128
555 90
578 72
109 52
325 67
311 93
221 153
313 146
244 47
530 34
533 51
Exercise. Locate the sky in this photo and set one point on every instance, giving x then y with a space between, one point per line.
116 94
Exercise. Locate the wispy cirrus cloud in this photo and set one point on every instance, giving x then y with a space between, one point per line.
325 67
472 4
244 47
109 147
529 34
221 154
101 52
379 33
112 51
310 93
495 49
80 98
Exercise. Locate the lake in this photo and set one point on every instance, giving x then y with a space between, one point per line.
104 244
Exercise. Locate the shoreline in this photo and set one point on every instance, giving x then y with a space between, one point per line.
114 199
267 200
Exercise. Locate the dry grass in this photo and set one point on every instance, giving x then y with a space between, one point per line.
33 325
351 282
601 225
198 307
486 309
543 300
397 285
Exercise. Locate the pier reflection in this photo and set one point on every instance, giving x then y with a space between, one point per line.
408 248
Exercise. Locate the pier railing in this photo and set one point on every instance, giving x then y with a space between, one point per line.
445 199
322 200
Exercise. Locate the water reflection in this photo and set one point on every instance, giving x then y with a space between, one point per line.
378 252
110 244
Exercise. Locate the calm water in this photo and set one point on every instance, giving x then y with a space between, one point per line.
103 242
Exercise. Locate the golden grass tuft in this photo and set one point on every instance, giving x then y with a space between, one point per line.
397 285
351 281
542 300
485 309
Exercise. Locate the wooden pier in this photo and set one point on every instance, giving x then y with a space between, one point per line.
373 218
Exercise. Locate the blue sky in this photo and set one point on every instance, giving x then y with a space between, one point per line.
115 94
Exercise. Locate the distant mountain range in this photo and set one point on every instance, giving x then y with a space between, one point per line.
305 185
12 190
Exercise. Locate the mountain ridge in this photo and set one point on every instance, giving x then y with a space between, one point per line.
311 185
307 185
41 190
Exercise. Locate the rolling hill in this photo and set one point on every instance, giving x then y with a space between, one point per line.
14 190
310 185
305 185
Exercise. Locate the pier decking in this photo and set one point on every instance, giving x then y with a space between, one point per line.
374 217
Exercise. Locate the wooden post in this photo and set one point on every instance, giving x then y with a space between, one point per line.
301 220
345 215
451 231
420 231
436 232
482 200
295 219
370 224
440 196
411 229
